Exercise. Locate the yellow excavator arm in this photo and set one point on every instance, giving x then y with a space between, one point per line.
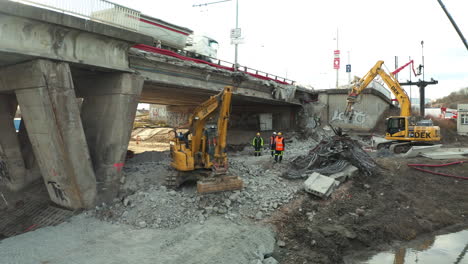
389 79
195 155
399 128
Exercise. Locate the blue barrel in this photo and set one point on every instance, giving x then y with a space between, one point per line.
17 122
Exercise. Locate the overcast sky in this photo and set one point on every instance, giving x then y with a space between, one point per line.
296 38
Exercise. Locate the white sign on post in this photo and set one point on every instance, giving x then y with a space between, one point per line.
235 33
237 41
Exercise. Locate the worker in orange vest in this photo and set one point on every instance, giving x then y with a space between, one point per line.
279 147
272 144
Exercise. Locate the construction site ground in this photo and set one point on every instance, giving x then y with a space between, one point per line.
271 218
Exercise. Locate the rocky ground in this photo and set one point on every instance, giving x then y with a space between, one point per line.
146 202
365 213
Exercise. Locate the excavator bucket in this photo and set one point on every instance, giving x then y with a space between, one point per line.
220 184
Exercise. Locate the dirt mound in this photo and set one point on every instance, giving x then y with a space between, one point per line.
400 204
448 132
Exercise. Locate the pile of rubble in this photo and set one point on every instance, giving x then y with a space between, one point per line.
330 163
145 202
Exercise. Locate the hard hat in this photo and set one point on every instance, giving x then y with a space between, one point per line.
258 133
274 133
280 134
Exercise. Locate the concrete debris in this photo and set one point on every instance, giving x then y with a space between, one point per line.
331 156
447 153
320 185
349 172
286 93
270 260
420 150
143 198
281 243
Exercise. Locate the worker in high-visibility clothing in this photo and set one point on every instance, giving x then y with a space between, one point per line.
272 143
257 143
279 147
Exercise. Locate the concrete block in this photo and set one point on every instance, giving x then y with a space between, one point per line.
349 172
320 185
420 150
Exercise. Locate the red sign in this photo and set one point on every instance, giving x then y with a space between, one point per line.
336 63
336 60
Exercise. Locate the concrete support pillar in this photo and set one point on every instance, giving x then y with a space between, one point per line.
46 95
108 112
12 167
178 115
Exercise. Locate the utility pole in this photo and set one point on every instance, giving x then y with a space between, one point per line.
338 49
235 32
237 26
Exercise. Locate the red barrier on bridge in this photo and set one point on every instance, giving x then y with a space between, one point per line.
176 55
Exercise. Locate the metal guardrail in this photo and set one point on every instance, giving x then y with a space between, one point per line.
251 70
99 10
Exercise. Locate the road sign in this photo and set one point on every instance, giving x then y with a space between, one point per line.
235 33
348 67
336 60
337 53
237 41
336 63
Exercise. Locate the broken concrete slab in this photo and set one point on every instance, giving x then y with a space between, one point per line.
420 150
446 155
320 185
349 172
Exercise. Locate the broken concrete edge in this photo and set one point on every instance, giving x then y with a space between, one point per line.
53 17
175 61
320 185
420 150
342 176
366 91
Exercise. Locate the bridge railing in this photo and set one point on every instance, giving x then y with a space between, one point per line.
99 10
252 71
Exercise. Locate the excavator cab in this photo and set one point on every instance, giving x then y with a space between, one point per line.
395 125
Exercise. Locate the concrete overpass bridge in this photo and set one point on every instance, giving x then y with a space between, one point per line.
78 83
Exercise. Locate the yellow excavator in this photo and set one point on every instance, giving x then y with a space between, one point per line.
402 131
200 153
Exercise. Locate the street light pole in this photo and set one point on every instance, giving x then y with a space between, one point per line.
237 26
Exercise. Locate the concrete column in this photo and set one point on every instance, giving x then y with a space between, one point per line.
12 168
178 115
108 112
46 95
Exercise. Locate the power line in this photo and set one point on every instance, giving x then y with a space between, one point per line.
210 3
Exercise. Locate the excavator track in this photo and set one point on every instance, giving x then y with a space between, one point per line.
207 182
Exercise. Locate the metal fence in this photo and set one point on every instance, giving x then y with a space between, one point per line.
246 69
97 10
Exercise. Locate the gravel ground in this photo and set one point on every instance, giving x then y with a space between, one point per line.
146 202
87 240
